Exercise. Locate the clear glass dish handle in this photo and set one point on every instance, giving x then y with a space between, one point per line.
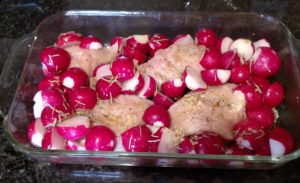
12 70
296 44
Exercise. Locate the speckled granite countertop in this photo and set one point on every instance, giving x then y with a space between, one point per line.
19 17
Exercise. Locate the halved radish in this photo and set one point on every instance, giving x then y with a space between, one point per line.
37 110
274 95
100 138
51 115
68 38
161 99
240 74
252 95
211 59
137 56
36 131
108 88
243 47
122 68
281 142
149 87
75 145
173 88
209 143
215 76
52 140
158 41
185 146
157 115
118 42
101 71
182 39
52 82
49 97
73 128
154 139
223 44
82 98
236 150
192 79
206 37
230 60
261 43
141 42
133 85
91 42
74 78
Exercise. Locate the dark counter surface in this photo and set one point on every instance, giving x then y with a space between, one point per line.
20 17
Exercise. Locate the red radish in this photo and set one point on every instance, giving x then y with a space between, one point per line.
75 145
206 37
223 44
185 146
51 115
230 59
101 71
122 68
136 139
37 110
243 47
74 78
215 76
46 72
252 96
140 42
154 140
49 97
100 138
108 88
157 42
265 62
55 60
182 39
260 82
167 144
274 95
73 128
281 142
192 79
264 115
36 132
249 134
261 43
68 38
161 99
149 87
264 149
118 42
82 98
236 150
240 74
211 59
157 115
91 42
52 140
173 88
209 143
137 56
50 82
133 85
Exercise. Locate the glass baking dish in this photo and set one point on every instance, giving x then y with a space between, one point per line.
106 25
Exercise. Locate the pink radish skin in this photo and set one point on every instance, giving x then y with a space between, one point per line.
137 56
82 98
100 138
173 88
264 150
206 37
123 68
36 132
55 60
192 79
249 134
118 42
73 128
252 96
215 76
243 47
265 62
281 142
154 140
157 42
161 99
264 115
240 74
52 140
75 145
68 38
107 88
101 71
274 95
149 87
229 60
261 43
157 116
140 42
211 59
51 82
223 44
182 39
136 139
74 78
185 146
51 115
209 143
49 97
91 43
133 85
260 82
